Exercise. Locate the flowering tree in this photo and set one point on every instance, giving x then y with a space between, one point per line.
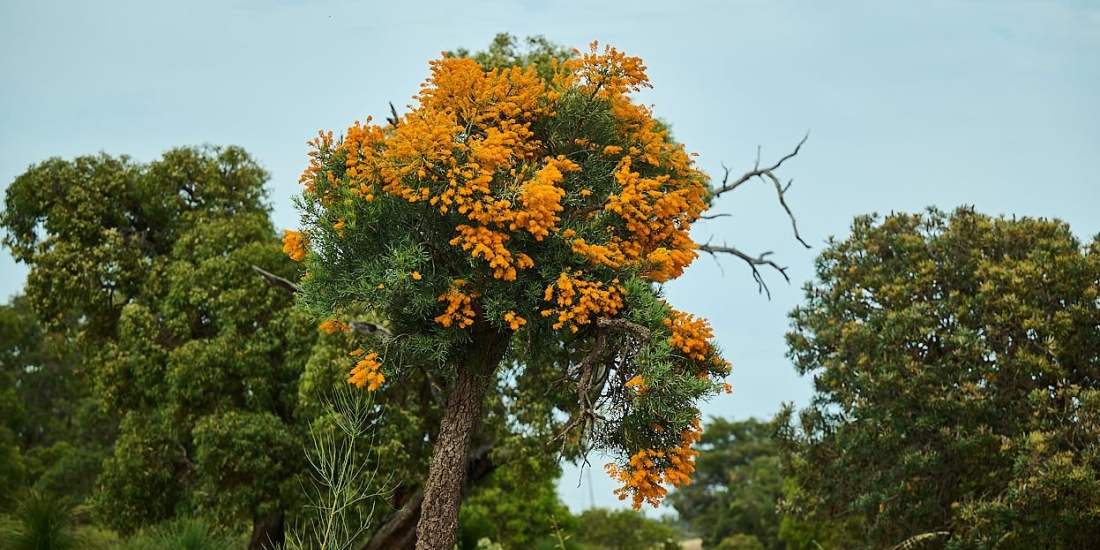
522 214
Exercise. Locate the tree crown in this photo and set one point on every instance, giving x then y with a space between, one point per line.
537 202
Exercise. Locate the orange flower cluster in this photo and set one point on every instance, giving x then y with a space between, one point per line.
657 213
645 476
514 321
578 300
637 382
469 134
294 245
486 243
460 309
367 371
541 199
609 74
332 326
690 334
318 148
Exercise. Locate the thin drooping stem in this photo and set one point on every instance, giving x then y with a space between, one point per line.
438 523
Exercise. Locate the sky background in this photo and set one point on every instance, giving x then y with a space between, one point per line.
991 103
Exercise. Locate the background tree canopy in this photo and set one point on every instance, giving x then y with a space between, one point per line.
956 361
147 269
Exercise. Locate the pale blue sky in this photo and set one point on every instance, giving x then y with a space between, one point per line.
984 102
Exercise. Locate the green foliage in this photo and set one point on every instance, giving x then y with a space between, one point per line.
90 227
737 486
147 269
740 541
955 361
346 486
505 51
603 529
516 506
41 522
53 434
181 534
247 463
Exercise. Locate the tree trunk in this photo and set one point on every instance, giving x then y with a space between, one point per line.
267 532
398 531
447 472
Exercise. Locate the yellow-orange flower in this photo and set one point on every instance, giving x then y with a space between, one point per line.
294 245
578 301
332 326
690 334
460 310
648 472
367 372
514 321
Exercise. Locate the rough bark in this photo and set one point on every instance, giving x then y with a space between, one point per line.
398 530
267 532
447 471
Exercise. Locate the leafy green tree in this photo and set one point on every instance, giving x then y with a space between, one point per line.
517 505
148 269
14 340
511 232
737 485
740 541
53 434
603 529
956 361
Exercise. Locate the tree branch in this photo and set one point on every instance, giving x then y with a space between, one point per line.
393 118
587 415
767 173
754 262
275 280
362 327
370 329
756 171
624 326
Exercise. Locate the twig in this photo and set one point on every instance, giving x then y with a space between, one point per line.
362 327
754 262
275 280
393 118
767 173
369 329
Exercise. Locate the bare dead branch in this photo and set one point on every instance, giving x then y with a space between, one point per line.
754 262
781 192
756 171
714 216
275 280
587 416
766 173
393 118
